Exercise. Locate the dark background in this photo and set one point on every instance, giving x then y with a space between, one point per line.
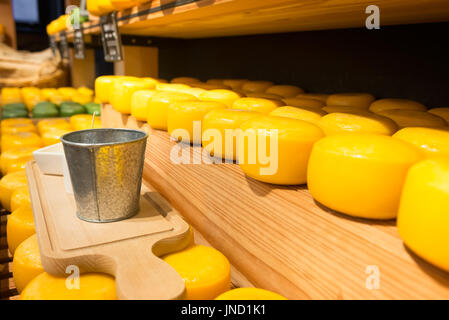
406 61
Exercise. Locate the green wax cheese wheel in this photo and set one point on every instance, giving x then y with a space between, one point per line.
45 104
69 109
15 106
14 113
92 107
45 110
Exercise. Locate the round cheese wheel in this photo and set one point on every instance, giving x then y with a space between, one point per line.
360 174
19 227
185 80
8 184
84 121
358 100
224 125
11 95
20 197
306 114
235 84
276 149
250 294
67 92
193 91
15 121
433 142
50 137
411 118
20 127
257 104
256 86
10 158
82 98
403 104
285 91
92 286
304 102
423 222
139 103
158 107
122 91
441 112
224 96
26 264
50 124
176 87
105 6
182 114
20 139
264 95
314 96
123 4
344 109
206 271
103 86
338 123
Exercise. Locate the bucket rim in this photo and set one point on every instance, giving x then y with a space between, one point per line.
90 145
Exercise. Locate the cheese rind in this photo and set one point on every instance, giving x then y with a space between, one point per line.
256 86
140 101
441 112
306 114
433 142
20 139
360 174
357 100
303 102
20 197
412 118
10 159
206 271
257 104
122 91
423 222
8 184
19 227
403 104
286 91
224 96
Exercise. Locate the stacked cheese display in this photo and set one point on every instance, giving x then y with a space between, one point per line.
47 102
358 155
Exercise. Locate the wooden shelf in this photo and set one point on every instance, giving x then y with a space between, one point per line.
215 18
278 237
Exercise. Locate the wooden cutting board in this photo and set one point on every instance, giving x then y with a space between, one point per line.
126 249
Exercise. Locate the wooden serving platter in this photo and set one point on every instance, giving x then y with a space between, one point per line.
279 238
126 249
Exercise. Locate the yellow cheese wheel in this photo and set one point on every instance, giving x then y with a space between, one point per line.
250 294
19 127
103 87
9 158
20 197
67 92
176 87
388 104
31 99
256 86
423 222
264 95
314 96
285 164
208 86
8 184
234 83
19 227
305 114
220 95
139 103
303 102
358 100
105 6
50 124
257 104
123 4
48 92
53 136
11 95
86 91
182 114
220 130
92 286
26 264
206 271
338 123
441 112
84 121
123 90
360 174
82 98
57 98
20 139
433 142
344 109
193 91
412 118
158 107
15 121
185 80
285 91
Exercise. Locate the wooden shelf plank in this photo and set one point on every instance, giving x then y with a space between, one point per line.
214 18
279 238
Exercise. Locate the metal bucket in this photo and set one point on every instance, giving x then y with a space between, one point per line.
105 167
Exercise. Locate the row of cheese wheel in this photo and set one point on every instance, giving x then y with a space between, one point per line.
20 138
206 272
347 157
31 96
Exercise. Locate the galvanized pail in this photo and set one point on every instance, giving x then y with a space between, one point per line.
105 167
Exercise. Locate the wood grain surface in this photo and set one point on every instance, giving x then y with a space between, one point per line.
280 238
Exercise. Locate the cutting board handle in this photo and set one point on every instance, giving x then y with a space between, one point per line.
147 277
